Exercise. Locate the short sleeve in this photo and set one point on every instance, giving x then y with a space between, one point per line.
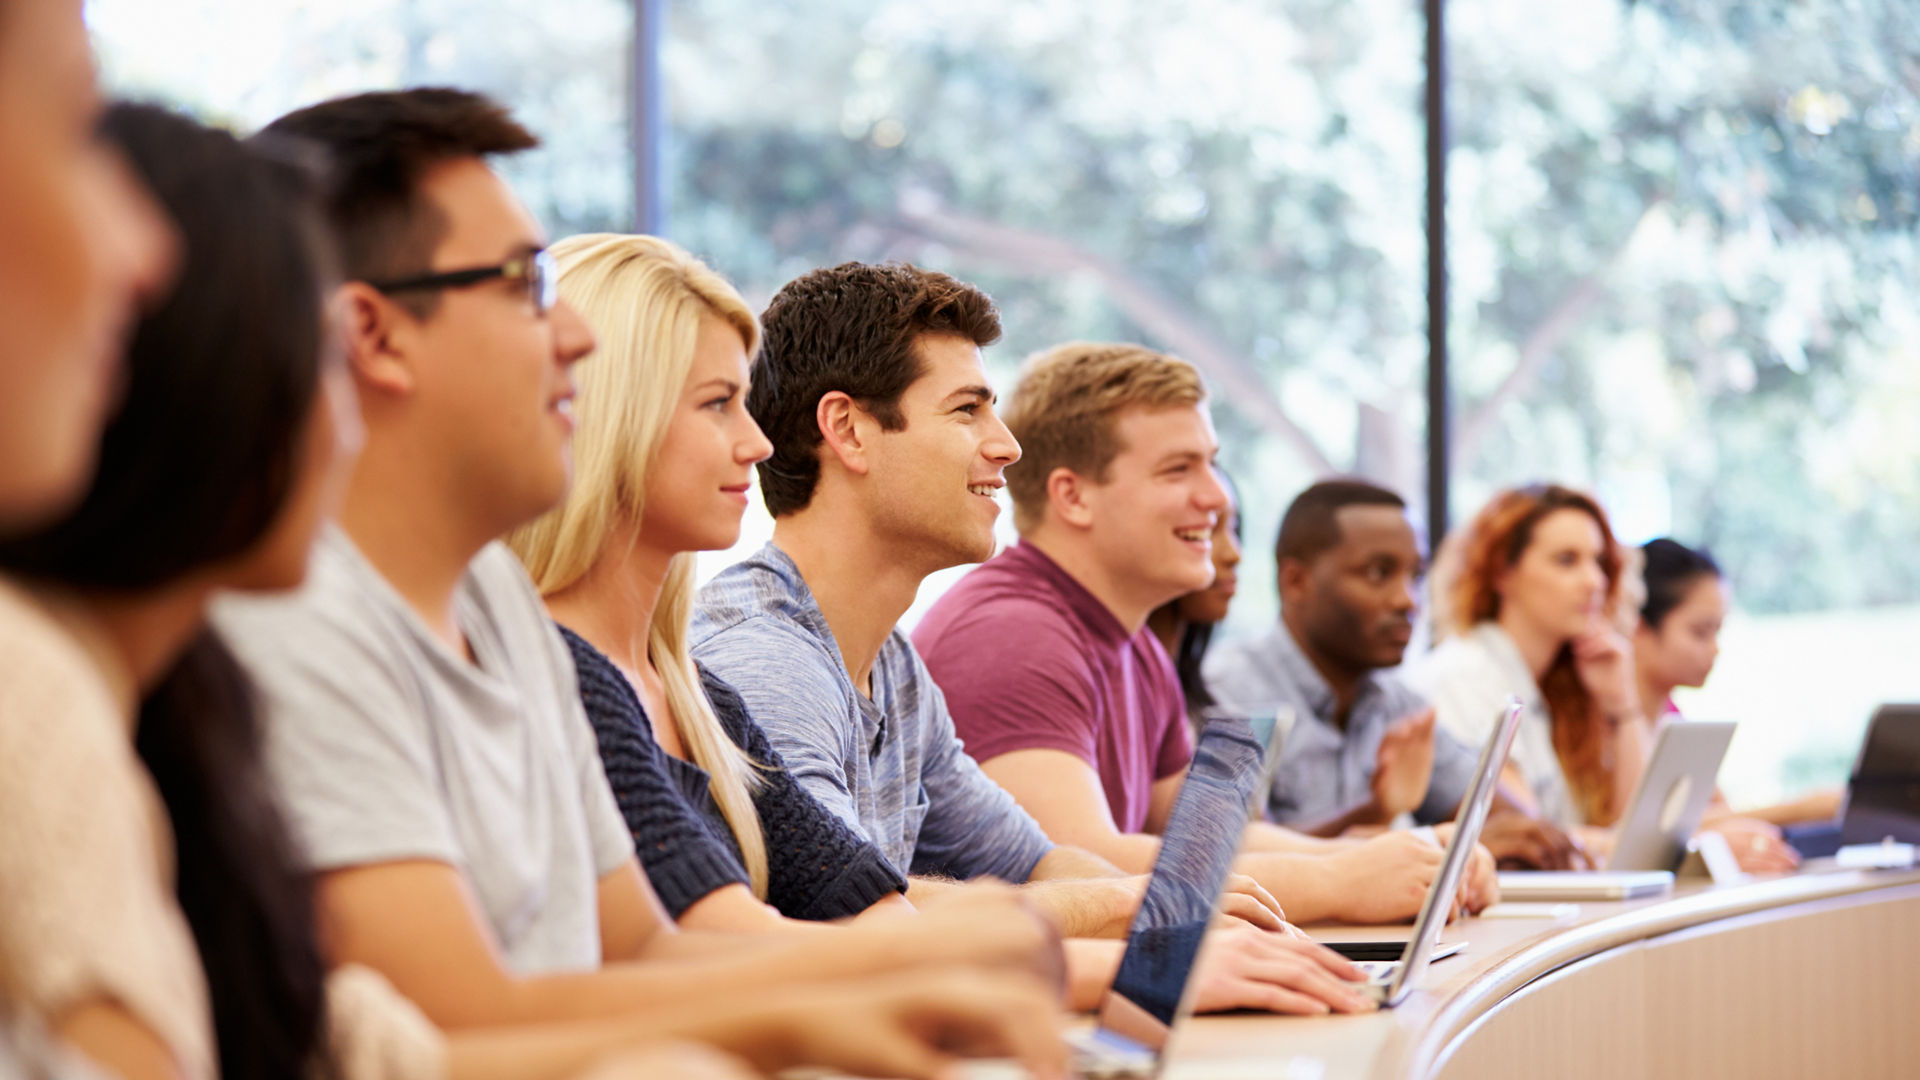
795 701
1040 694
683 861
973 826
1176 750
346 741
608 835
86 907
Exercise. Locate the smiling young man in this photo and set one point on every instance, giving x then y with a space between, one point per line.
423 724
886 457
1056 684
1363 750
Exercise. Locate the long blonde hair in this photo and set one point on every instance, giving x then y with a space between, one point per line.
645 299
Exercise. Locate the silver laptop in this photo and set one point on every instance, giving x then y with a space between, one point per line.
1652 837
1389 982
1672 797
1153 990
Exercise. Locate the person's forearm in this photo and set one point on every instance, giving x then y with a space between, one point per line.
1067 861
1091 966
1304 884
1090 905
1366 813
676 970
1262 836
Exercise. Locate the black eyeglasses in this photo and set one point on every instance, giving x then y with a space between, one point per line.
535 269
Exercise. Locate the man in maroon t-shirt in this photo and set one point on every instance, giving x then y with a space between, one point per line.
1054 682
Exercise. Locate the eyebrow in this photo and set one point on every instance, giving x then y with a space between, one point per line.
732 385
979 393
1182 456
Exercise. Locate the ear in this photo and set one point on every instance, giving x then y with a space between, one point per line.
1067 493
846 431
377 333
1292 576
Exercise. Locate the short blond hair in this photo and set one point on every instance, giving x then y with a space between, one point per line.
645 299
1064 407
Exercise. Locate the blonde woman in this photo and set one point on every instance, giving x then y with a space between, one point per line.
664 452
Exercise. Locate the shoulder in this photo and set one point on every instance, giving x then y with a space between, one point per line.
55 704
731 709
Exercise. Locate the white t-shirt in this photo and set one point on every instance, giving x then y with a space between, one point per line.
385 745
1468 678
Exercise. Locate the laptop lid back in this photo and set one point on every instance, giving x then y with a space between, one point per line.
1466 833
1673 795
1883 795
1150 994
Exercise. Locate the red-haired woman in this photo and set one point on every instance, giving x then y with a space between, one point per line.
1524 602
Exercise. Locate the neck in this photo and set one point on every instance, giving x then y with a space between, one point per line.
862 584
1117 592
148 631
1344 682
1654 694
612 604
416 534
1537 647
1167 625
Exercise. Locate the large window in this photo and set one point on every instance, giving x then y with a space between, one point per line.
1684 268
1685 275
1239 183
561 64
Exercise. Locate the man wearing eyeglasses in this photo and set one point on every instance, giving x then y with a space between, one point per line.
423 724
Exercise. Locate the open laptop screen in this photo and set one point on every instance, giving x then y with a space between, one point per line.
1196 852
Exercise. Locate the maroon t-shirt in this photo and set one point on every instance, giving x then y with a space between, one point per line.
1030 660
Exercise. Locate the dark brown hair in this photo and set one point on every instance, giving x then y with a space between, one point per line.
380 146
195 467
1465 595
852 329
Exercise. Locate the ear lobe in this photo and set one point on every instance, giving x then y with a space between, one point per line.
841 421
1067 495
371 326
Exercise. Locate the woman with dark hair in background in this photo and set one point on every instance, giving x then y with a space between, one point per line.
1186 626
1675 645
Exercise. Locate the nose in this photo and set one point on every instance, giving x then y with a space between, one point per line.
147 249
1406 598
1211 494
572 337
1000 447
1227 547
755 447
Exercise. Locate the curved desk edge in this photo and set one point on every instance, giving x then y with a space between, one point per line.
1457 1014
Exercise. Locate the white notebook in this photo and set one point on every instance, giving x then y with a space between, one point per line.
1582 884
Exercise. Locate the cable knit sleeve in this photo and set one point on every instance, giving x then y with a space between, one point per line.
817 867
683 858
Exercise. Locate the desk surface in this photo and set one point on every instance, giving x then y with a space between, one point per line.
1502 958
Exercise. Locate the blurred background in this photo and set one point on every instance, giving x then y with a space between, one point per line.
1682 239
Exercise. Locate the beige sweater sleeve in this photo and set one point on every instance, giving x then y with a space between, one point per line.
87 908
376 1033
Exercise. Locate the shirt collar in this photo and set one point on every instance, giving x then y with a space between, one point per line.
1085 607
1315 692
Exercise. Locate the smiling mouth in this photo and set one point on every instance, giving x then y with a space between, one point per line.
1194 536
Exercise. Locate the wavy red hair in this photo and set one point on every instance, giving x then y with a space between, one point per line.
1465 591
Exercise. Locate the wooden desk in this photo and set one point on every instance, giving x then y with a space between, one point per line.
1813 975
